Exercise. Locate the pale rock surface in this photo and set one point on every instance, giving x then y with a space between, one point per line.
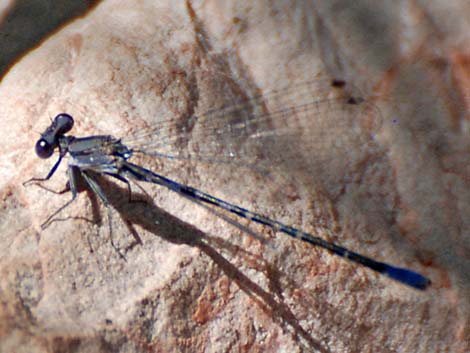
196 283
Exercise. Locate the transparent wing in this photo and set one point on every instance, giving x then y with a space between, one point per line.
319 124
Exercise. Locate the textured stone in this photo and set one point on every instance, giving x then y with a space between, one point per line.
195 283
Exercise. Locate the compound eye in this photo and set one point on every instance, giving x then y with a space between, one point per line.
64 123
44 149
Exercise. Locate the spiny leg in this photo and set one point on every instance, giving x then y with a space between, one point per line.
48 176
60 192
98 191
72 182
129 189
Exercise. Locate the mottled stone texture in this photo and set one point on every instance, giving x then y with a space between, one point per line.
398 192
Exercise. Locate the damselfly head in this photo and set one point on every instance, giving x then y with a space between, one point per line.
61 124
